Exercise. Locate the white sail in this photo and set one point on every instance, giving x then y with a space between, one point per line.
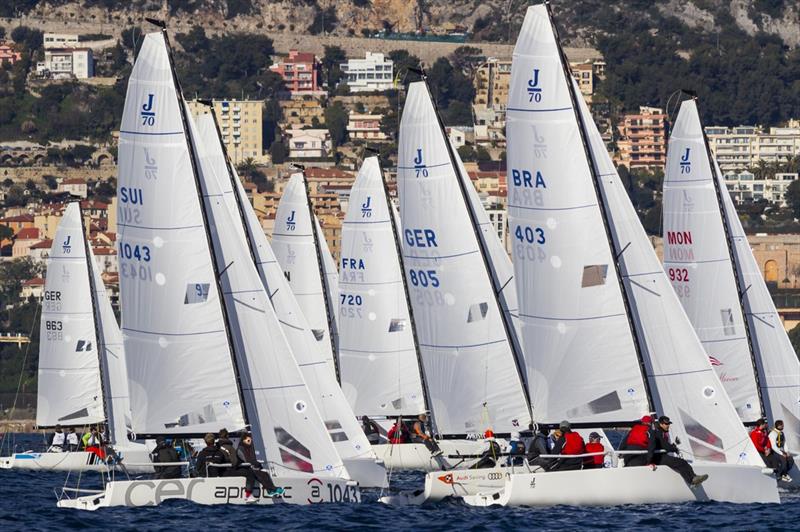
776 359
684 384
579 348
180 368
470 369
69 385
331 287
697 260
280 409
295 249
115 372
377 355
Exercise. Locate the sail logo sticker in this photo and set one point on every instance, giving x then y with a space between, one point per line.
291 224
147 114
83 346
66 248
291 256
686 164
539 146
419 165
150 166
714 361
366 208
534 90
367 244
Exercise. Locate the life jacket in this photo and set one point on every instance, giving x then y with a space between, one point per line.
761 440
780 441
594 447
638 436
72 438
59 438
228 452
573 444
398 435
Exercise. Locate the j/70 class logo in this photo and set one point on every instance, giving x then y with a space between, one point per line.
147 114
534 90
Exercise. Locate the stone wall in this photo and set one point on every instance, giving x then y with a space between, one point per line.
21 174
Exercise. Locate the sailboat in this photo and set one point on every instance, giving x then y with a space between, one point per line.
717 279
348 438
82 375
605 337
205 348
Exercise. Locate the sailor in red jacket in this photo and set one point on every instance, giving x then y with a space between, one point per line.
637 439
594 446
760 437
570 443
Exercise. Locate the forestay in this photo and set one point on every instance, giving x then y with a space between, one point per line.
697 260
377 355
296 251
280 409
470 366
580 352
69 390
776 359
180 368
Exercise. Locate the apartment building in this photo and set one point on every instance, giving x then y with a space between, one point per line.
240 123
60 40
362 126
745 187
373 73
309 143
8 53
67 63
300 72
743 147
643 139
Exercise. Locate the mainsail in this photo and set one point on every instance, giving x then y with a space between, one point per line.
377 353
681 380
280 409
180 366
470 363
70 390
697 259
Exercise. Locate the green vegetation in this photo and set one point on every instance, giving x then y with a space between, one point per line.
332 73
325 21
16 317
336 119
794 336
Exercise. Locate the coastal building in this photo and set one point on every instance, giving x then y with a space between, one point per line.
300 72
60 40
67 63
744 147
302 110
32 288
240 124
643 139
309 143
362 126
8 53
75 187
745 187
23 241
373 73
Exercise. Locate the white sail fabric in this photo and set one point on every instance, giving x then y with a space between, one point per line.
697 260
685 387
776 359
470 370
377 356
342 425
331 288
114 371
579 347
280 409
69 387
294 247
180 367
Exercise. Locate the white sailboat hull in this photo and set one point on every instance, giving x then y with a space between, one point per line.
224 490
630 485
417 457
77 460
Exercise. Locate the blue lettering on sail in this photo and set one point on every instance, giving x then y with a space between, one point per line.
147 114
66 247
686 164
534 91
353 264
366 209
524 178
131 195
419 164
420 238
290 222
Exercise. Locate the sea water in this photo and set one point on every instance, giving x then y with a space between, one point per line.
28 502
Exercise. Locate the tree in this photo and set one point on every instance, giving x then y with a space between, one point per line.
467 153
16 197
336 119
278 151
325 21
467 59
29 37
793 197
794 336
5 232
333 57
482 154
404 66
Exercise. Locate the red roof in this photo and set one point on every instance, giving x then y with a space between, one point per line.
300 57
36 281
43 244
329 173
105 250
27 233
18 218
74 181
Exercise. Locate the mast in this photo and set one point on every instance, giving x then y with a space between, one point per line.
100 343
603 211
735 267
323 281
511 335
399 250
209 243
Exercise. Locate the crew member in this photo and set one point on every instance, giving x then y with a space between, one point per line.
760 438
207 457
371 429
594 446
246 454
777 440
398 433
568 444
491 454
93 443
165 453
638 439
539 445
660 441
57 441
419 434
73 442
516 450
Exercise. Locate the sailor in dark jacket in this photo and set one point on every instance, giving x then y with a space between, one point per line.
165 453
208 456
660 441
247 458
